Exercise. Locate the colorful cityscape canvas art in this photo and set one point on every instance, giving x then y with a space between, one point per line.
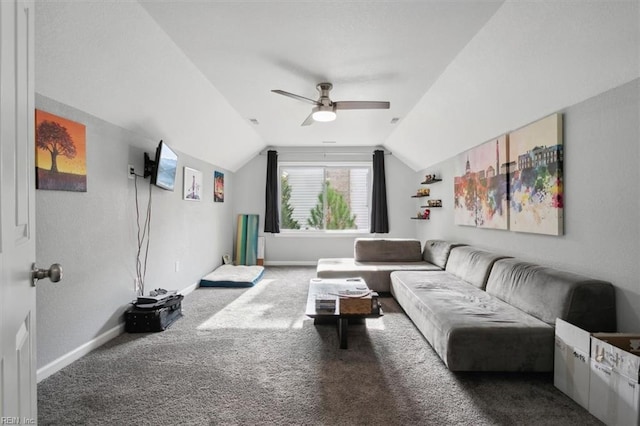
480 186
536 187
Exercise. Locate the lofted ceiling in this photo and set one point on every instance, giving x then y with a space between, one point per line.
456 73
380 51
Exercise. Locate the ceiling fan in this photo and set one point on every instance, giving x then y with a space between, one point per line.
325 109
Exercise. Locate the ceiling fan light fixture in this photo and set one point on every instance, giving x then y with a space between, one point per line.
323 113
324 109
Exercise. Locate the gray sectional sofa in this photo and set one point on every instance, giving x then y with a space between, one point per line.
482 311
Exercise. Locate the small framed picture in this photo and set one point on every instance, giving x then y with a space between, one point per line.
218 187
192 184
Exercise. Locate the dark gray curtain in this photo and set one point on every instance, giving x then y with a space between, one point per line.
379 217
271 216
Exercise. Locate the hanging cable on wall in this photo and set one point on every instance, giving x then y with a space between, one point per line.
144 232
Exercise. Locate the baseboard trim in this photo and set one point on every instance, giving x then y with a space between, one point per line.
290 262
189 289
79 352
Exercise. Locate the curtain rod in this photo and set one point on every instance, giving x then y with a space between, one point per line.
325 152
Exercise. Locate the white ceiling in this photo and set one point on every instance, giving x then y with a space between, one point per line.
381 51
456 72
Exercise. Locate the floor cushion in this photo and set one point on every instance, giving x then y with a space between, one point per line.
233 276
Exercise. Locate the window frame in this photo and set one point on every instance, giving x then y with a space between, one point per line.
326 165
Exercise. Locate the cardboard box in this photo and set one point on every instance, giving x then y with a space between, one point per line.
356 305
614 394
571 368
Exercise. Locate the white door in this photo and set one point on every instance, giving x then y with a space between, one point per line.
18 398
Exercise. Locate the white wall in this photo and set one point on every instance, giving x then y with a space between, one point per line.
93 235
111 59
281 249
602 201
531 59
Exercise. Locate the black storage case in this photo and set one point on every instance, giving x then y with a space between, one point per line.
157 317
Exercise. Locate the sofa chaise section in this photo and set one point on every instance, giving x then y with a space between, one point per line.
375 258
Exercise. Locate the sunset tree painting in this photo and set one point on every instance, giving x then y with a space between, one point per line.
60 153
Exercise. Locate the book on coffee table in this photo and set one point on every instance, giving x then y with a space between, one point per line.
325 302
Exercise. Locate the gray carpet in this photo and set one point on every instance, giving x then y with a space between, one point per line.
250 357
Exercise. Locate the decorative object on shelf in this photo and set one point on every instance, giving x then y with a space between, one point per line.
431 178
61 159
425 192
535 186
423 214
480 186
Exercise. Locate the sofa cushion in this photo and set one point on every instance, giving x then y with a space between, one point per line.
468 328
437 252
471 265
548 294
386 250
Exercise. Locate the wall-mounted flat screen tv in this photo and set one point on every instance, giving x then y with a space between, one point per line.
163 169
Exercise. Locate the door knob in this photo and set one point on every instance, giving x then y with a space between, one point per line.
54 273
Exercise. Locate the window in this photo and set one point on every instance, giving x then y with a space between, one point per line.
318 198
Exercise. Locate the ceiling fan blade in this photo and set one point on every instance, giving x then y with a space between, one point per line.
308 121
294 96
362 105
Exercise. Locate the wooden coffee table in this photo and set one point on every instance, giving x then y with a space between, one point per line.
334 286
